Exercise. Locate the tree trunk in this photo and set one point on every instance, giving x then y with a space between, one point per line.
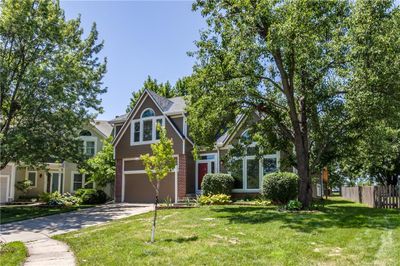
153 230
305 188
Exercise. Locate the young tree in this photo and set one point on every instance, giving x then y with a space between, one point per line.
50 82
158 165
101 167
284 60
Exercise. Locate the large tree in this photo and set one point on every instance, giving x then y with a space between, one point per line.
50 82
162 89
287 61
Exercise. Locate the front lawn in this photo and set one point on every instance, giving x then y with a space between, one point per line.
343 233
13 253
17 213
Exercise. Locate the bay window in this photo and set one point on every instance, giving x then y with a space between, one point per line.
144 130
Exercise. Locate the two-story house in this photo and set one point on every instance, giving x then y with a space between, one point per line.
134 132
62 177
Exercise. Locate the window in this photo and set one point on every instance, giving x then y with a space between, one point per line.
80 181
269 165
136 136
89 143
147 130
236 170
32 176
148 113
85 133
158 121
253 174
248 171
144 130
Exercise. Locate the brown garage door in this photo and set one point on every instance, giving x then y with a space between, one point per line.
139 190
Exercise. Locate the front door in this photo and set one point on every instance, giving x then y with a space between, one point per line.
202 170
55 182
206 164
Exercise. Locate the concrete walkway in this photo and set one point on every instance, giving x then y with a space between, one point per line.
36 233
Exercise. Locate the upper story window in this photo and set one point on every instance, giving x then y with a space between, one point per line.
144 130
88 143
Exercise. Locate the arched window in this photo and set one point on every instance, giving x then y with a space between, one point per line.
85 133
148 113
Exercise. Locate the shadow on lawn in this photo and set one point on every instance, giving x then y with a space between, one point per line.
182 239
336 213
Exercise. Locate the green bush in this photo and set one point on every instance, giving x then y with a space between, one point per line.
217 184
56 199
294 205
280 187
91 196
218 199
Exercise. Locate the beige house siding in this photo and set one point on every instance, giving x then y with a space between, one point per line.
67 168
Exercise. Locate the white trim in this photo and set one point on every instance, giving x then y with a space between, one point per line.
123 182
36 176
129 117
12 185
8 187
208 161
141 122
63 188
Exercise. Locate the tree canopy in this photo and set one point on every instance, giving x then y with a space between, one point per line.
162 89
297 64
50 82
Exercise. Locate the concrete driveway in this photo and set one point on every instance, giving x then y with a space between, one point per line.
36 232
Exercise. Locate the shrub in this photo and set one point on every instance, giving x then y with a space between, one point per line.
280 187
91 196
55 199
218 199
217 184
294 205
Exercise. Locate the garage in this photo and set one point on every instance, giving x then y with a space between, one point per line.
138 188
4 181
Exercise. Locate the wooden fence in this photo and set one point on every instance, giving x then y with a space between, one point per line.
374 196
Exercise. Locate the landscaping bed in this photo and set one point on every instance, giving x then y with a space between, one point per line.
13 253
340 233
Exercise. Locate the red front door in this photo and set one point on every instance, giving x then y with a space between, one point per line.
202 169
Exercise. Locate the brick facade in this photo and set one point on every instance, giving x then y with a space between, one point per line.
182 174
118 180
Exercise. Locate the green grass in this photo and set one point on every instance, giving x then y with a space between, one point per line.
342 233
17 213
13 253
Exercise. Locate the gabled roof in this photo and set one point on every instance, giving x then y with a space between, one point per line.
103 127
164 104
169 106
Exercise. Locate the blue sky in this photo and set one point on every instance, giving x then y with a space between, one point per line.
141 38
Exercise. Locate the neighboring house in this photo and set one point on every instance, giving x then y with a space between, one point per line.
62 177
134 132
